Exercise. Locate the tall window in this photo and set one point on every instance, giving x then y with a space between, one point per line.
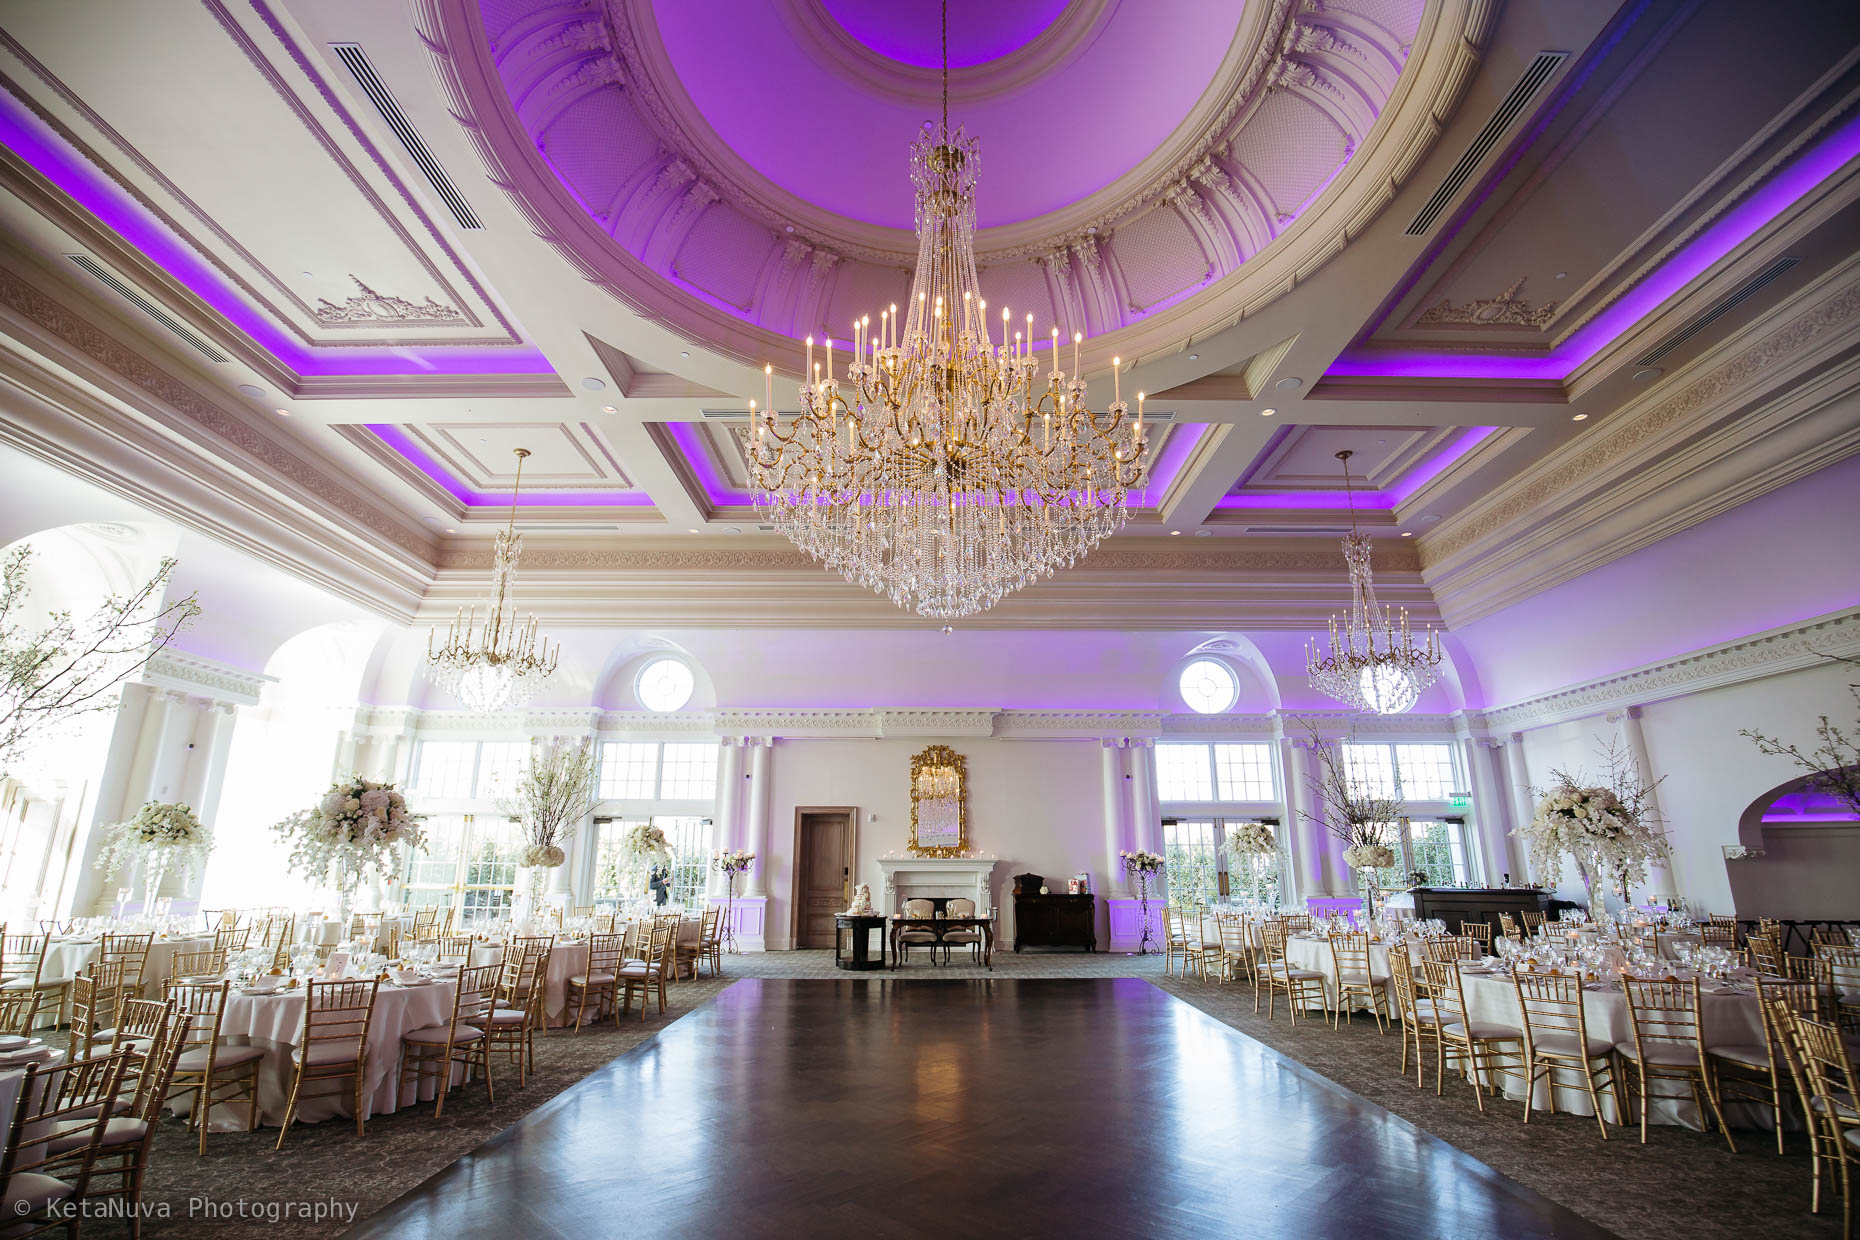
689 837
468 769
469 863
651 771
1203 870
1202 772
1425 777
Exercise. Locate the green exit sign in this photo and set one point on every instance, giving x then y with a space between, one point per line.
1460 800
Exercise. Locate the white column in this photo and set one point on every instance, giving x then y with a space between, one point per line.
221 720
729 796
153 751
1660 879
1313 839
1146 811
194 736
1487 815
1518 786
758 813
1116 803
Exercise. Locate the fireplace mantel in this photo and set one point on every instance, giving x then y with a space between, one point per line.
965 877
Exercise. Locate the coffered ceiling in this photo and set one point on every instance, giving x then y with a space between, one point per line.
303 275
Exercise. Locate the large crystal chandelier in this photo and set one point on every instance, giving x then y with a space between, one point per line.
943 469
1372 662
498 662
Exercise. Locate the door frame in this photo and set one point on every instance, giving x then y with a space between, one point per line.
794 869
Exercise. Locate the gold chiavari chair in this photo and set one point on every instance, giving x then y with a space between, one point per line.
1480 932
1718 932
512 1027
42 1182
334 1046
51 926
1556 1036
214 920
1299 986
1778 1003
426 923
1452 947
520 953
365 926
208 963
1767 954
455 949
1668 1046
1202 950
1175 938
232 939
710 938
1414 1014
133 951
464 1040
1828 936
645 975
602 980
1771 928
604 923
278 937
108 991
1843 973
1533 921
1835 1090
217 1073
1349 955
90 1011
1297 923
1508 927
1237 954
129 1135
22 960
1485 1047
18 1009
140 1026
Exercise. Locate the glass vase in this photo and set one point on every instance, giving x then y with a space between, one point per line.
153 872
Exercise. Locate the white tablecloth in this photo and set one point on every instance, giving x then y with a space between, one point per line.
66 958
11 1078
275 1023
1313 953
566 960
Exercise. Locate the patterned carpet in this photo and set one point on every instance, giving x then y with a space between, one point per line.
1682 1185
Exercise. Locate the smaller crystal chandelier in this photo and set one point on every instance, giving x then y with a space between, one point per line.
500 662
1373 663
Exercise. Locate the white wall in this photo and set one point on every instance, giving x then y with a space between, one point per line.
1034 805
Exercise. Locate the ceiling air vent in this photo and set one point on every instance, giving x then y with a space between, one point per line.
357 60
1723 306
726 415
1514 105
108 278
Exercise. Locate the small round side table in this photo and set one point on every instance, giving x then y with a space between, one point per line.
858 953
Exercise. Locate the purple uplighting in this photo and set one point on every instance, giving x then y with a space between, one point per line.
54 159
418 457
1755 213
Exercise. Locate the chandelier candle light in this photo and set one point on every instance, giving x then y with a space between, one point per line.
1372 663
500 662
941 468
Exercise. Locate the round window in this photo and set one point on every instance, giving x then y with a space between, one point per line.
664 684
1209 686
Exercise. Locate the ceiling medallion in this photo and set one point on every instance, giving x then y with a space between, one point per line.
500 663
1373 663
945 474
371 307
1505 310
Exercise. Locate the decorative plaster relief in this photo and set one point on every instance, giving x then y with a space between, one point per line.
369 307
1505 310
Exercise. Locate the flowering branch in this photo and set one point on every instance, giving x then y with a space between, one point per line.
550 800
1833 765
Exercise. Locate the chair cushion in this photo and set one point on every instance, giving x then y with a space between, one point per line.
336 1050
636 972
29 1192
19 983
73 1133
1564 1044
436 1035
226 1057
1361 979
1282 973
1744 1056
592 979
1483 1031
1852 1137
1668 1054
508 1016
1842 1109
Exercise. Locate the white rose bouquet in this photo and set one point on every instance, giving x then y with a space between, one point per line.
1141 862
161 835
1369 855
645 842
1252 839
732 861
359 825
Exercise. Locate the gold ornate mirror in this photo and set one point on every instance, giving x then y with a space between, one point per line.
939 818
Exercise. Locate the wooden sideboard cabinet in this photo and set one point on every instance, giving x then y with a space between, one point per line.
1457 905
1055 921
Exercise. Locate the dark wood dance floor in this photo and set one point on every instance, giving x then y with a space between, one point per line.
947 1110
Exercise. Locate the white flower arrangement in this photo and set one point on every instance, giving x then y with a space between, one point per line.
161 835
732 861
543 856
1595 826
1252 839
1369 855
1141 862
359 825
645 842
549 801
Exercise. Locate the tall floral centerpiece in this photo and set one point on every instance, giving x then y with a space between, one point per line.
359 825
1603 827
642 847
730 862
1254 843
550 800
160 837
1356 810
1143 866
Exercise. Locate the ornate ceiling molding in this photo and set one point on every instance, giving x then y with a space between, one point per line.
192 673
1505 310
1770 653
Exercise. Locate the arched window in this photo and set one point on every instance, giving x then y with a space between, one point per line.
1209 686
664 684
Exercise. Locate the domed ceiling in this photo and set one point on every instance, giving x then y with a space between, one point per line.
738 169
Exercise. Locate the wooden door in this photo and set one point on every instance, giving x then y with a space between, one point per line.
822 878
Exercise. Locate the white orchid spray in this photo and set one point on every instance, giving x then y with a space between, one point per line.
359 825
161 835
1603 827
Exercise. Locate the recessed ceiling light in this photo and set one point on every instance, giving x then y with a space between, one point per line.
608 409
1266 413
690 531
1407 533
251 389
283 413
1428 518
1580 417
1203 533
684 353
1194 357
1289 384
1561 274
787 227
1175 533
451 530
733 529
593 384
306 273
1647 372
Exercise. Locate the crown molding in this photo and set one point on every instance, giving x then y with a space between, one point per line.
1765 407
192 673
1769 653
